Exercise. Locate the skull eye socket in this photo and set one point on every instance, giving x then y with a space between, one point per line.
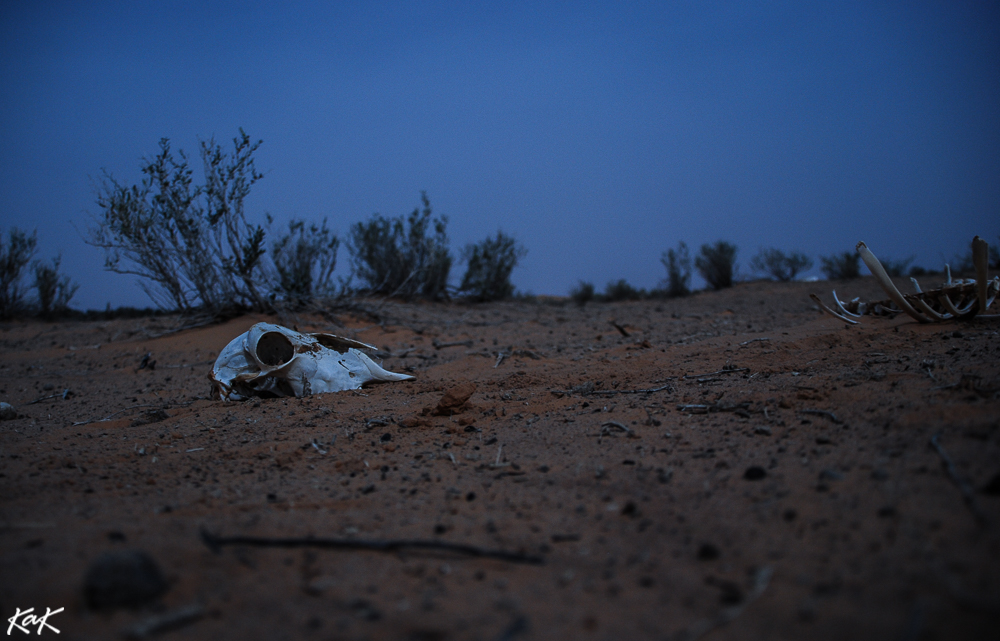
274 349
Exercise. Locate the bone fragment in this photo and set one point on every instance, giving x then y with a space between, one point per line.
841 307
829 311
883 279
980 258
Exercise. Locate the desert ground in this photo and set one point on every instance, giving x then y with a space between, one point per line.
730 465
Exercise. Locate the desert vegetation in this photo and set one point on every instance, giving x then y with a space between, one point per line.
716 263
779 265
842 266
195 249
53 290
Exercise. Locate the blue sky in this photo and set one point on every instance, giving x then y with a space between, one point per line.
598 134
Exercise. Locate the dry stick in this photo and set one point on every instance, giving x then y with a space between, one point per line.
721 371
214 543
949 467
620 329
828 414
164 622
45 398
134 407
700 628
438 345
611 392
753 340
500 358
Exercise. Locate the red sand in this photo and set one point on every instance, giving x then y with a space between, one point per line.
657 532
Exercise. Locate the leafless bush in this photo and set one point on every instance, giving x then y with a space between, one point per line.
716 264
304 260
621 290
403 258
15 255
842 266
897 267
490 264
191 244
54 291
678 264
779 265
583 293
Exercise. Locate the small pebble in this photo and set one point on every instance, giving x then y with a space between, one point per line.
755 473
762 429
7 412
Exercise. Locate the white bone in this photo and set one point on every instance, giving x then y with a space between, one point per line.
980 258
274 360
841 307
916 285
883 279
830 311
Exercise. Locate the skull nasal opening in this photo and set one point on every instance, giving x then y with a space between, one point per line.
274 349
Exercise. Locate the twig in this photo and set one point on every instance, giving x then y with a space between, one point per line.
500 357
620 329
826 413
164 622
438 345
128 409
214 543
721 371
949 467
587 389
726 616
606 432
612 392
714 407
753 340
63 394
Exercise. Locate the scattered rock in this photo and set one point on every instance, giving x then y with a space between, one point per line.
762 429
755 473
708 552
453 400
7 412
124 578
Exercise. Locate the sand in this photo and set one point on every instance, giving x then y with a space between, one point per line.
732 465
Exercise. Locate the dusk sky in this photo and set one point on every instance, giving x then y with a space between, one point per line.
598 134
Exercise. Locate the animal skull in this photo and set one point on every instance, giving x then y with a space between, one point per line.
271 360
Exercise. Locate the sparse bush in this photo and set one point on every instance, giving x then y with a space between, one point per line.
779 265
896 267
583 293
304 260
192 243
490 263
54 291
621 290
678 264
842 266
398 257
716 264
14 257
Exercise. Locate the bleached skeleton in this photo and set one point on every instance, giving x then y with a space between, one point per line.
957 299
271 360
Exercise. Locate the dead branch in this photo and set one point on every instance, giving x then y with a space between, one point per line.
214 543
828 414
761 579
733 370
963 487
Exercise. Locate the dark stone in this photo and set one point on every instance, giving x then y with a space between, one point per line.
993 487
708 552
123 578
755 473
